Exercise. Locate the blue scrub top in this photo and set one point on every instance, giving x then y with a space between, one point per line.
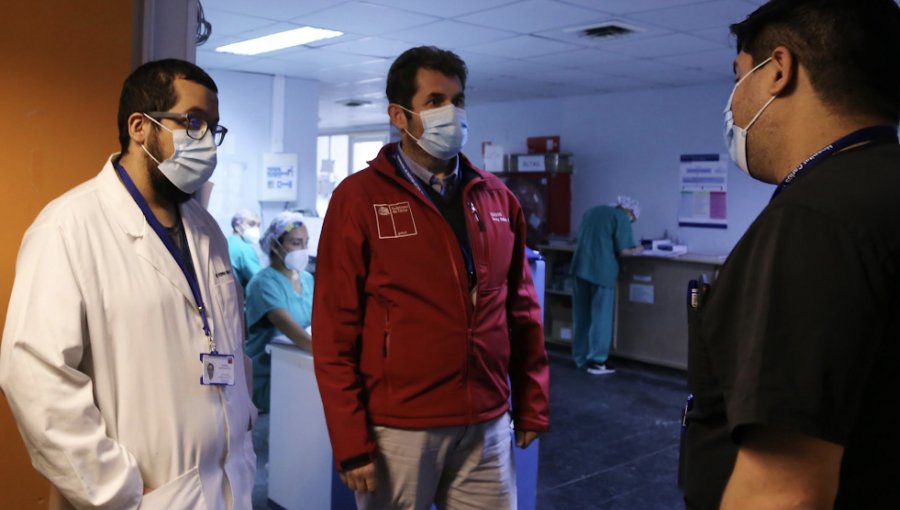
244 260
604 232
267 291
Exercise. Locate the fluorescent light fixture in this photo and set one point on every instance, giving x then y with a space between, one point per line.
279 41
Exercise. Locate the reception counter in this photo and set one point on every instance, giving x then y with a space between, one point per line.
651 313
301 471
651 306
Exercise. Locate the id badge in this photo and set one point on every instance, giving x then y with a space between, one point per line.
218 369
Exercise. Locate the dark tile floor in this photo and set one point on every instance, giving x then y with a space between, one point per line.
613 443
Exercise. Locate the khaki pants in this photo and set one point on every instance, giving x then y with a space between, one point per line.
456 468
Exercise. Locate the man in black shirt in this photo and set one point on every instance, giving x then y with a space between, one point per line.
794 360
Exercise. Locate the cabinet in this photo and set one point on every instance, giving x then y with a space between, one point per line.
546 202
651 303
557 293
651 307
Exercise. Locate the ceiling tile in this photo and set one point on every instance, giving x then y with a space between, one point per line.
534 16
516 68
443 9
583 58
628 6
372 47
721 59
682 77
673 44
522 47
325 57
624 84
363 18
225 23
647 68
281 10
450 34
716 13
721 35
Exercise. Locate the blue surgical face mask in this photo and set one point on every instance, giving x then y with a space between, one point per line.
445 131
736 137
192 163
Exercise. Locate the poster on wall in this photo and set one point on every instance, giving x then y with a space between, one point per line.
704 188
278 180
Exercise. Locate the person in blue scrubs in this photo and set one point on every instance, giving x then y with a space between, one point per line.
244 261
604 235
279 299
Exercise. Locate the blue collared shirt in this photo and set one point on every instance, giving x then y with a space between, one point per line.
445 185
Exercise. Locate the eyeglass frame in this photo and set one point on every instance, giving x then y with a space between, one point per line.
219 131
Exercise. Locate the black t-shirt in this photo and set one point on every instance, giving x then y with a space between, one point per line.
801 331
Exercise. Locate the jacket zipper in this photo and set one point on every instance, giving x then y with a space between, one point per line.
465 292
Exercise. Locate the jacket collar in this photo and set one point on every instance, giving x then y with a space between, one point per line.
384 164
119 207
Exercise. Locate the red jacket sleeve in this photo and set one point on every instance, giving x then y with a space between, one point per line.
529 371
341 270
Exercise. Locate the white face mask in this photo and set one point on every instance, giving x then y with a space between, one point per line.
297 260
736 137
192 163
251 234
445 131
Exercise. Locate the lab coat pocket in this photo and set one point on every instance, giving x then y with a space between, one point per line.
184 492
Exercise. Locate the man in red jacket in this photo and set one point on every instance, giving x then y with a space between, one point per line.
425 314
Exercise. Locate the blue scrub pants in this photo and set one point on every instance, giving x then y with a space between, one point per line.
592 309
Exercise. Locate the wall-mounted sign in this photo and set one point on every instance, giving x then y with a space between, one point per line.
278 180
704 188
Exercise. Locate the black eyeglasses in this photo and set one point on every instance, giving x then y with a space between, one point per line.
196 127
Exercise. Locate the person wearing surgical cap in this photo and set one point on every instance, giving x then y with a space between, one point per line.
244 261
279 299
604 235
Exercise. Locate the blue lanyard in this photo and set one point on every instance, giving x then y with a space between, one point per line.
869 134
407 173
167 241
466 250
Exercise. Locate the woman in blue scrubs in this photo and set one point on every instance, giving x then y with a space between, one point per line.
279 299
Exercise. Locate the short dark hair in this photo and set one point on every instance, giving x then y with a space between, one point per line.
150 88
851 49
401 79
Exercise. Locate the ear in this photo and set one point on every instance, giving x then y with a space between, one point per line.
398 117
139 128
785 70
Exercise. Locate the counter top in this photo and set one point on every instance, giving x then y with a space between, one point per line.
696 258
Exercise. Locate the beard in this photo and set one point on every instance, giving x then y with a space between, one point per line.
161 184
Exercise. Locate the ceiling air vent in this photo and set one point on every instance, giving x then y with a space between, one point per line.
606 30
354 103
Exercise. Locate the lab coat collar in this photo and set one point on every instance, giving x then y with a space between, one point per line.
121 208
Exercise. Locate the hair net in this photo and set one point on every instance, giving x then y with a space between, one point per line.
284 222
626 202
242 216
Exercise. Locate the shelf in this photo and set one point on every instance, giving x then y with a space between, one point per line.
557 341
558 292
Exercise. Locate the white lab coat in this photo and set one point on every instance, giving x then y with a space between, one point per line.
100 358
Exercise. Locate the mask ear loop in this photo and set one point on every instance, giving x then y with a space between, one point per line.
412 113
158 123
736 85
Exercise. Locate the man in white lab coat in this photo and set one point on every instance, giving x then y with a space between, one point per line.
123 295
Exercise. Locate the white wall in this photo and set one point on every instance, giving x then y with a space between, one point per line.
246 108
630 143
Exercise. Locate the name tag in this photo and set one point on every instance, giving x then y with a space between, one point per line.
218 369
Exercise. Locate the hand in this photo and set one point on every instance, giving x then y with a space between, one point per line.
525 438
361 479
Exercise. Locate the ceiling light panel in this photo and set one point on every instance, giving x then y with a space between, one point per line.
279 41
